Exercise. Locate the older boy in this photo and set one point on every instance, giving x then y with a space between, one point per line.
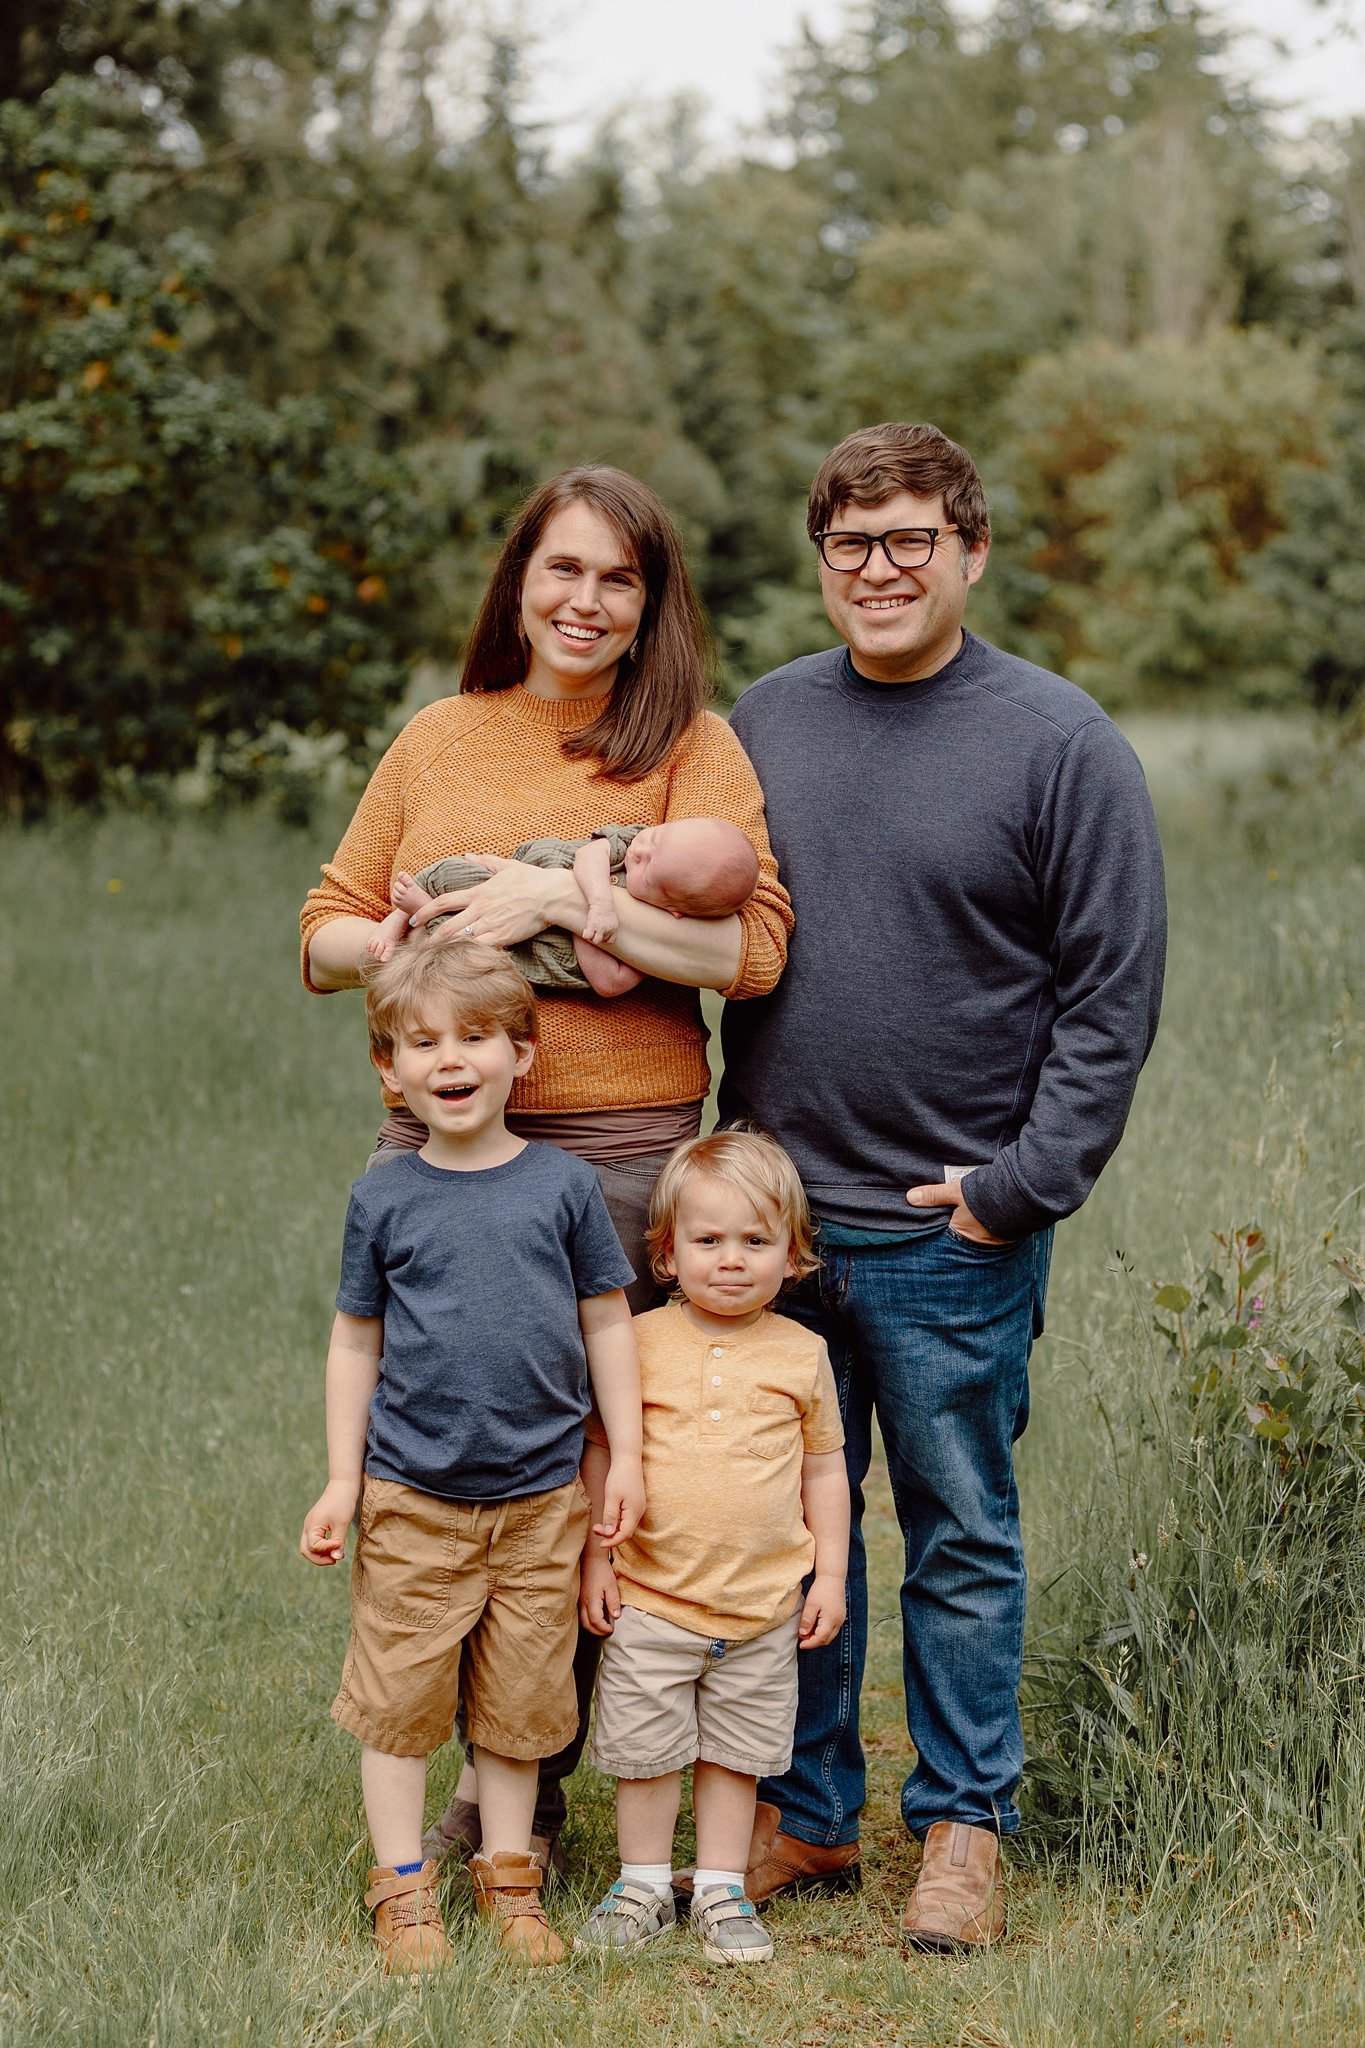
480 1292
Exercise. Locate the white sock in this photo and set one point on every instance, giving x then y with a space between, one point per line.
706 1880
657 1876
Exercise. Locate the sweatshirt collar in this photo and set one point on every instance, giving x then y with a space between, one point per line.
864 688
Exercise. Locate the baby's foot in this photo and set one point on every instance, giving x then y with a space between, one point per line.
386 937
408 895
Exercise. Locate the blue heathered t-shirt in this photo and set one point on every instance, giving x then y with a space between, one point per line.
483 1385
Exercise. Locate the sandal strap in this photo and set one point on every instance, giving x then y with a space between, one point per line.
629 1901
726 1909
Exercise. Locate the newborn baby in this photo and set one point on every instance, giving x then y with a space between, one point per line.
694 867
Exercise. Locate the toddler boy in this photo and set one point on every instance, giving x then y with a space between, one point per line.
480 1293
695 867
747 1491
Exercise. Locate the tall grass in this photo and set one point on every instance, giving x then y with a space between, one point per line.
183 1847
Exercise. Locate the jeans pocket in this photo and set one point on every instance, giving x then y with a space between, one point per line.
986 1251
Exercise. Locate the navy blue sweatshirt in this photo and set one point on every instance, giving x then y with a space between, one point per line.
975 975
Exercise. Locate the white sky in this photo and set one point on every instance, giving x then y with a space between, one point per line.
602 58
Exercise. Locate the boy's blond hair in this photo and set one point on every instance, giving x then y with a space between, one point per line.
445 975
745 1159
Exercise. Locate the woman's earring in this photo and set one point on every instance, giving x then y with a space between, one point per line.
633 649
522 633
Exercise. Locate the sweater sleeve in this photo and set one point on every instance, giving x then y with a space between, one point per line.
1102 891
357 882
712 777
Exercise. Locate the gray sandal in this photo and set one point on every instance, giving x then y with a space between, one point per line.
629 1916
729 1926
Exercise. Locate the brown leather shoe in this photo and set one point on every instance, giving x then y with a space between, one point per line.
781 1863
959 1900
408 1929
507 1890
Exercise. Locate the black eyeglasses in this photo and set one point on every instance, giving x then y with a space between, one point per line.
905 547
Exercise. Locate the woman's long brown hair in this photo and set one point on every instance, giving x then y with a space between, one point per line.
660 689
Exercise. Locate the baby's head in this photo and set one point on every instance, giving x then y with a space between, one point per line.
442 980
695 867
729 1222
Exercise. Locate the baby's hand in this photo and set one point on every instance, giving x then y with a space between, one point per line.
602 924
599 1600
822 1617
324 1526
624 1501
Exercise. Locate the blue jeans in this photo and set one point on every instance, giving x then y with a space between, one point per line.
933 1334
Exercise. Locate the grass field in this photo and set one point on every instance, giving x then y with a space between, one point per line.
183 1849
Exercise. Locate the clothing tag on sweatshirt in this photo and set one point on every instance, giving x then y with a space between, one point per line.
952 1173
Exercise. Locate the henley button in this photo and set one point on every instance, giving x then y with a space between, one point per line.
715 1415
715 1379
717 1351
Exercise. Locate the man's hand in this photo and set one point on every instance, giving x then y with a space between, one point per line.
623 1502
325 1525
822 1617
599 1598
962 1220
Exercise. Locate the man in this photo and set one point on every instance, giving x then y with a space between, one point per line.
970 992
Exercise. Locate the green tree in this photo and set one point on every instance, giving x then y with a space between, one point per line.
739 315
1142 485
180 567
1314 572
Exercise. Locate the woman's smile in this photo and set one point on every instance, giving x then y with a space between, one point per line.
582 601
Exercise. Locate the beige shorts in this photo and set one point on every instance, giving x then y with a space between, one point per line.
464 1602
666 1698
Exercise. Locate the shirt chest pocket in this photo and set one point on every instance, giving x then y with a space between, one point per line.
774 1424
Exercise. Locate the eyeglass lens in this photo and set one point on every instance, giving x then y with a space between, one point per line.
910 548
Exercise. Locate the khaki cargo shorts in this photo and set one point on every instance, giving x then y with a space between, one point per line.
471 1603
667 1698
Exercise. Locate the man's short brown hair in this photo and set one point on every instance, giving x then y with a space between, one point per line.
445 975
876 462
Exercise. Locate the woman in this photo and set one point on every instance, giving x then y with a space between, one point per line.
581 705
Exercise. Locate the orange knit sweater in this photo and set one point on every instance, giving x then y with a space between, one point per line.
486 772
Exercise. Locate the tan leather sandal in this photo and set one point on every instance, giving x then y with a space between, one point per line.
507 1890
408 1930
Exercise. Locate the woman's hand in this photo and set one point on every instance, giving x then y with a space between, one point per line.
517 902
